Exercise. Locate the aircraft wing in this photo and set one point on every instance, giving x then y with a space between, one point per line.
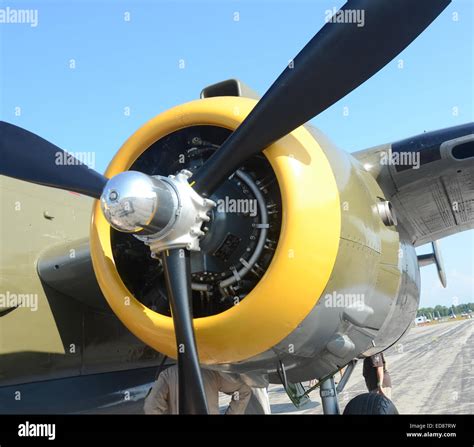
429 179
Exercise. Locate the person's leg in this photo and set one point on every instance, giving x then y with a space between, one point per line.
262 396
259 402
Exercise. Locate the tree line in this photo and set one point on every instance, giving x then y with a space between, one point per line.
443 311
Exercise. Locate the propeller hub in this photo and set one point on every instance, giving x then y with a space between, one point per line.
162 212
133 202
185 231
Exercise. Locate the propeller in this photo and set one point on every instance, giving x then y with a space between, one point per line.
192 399
26 156
339 58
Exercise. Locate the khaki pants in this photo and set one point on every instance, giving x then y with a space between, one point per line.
259 402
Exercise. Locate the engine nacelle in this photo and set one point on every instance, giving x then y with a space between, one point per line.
333 280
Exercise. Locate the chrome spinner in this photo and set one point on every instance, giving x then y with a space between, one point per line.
163 212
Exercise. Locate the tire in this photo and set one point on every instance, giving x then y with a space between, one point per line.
370 403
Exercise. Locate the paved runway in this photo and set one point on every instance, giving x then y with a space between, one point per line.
432 372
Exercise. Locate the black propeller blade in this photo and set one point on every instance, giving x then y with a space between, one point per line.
26 156
192 398
339 58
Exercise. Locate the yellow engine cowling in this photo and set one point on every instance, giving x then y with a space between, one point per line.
300 268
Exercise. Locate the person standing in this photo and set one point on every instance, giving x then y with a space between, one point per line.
163 397
376 376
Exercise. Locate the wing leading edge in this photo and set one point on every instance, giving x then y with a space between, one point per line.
429 178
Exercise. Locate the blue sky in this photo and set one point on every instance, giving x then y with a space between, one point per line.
74 76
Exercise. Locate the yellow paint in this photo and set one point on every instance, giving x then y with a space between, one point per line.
300 268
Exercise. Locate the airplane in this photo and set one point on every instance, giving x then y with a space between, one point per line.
324 273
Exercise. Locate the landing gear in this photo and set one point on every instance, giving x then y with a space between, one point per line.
367 403
370 403
328 395
329 391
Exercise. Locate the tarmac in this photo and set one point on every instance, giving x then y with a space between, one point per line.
432 372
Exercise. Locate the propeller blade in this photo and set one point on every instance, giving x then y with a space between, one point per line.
26 156
192 398
339 58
